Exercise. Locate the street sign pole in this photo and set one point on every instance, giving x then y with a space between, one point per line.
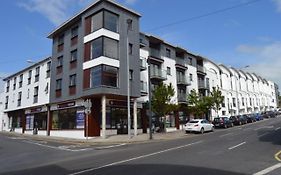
88 106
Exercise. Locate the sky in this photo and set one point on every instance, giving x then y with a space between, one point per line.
247 37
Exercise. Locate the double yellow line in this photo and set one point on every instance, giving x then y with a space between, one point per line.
277 156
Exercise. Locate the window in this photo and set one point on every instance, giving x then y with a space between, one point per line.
72 80
15 83
110 21
189 60
104 76
67 119
28 92
58 84
73 56
105 47
6 102
243 104
29 77
223 112
61 40
168 53
168 71
60 61
105 19
35 96
8 86
74 32
37 73
190 77
223 102
19 98
130 49
20 81
131 75
48 71
234 102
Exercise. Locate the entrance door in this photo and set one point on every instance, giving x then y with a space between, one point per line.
94 119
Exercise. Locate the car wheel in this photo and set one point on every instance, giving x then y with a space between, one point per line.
213 129
240 123
186 132
232 124
202 131
225 126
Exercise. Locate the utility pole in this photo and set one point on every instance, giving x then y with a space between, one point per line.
129 25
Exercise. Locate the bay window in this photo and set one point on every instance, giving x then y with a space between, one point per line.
104 76
104 46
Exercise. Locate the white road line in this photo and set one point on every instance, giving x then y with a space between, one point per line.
111 146
58 148
263 134
236 146
136 158
277 128
264 127
269 169
225 135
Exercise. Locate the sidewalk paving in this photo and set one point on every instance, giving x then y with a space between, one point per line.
115 139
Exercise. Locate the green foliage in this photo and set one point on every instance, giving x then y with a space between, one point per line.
161 100
217 98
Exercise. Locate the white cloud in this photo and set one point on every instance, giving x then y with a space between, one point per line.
267 62
278 5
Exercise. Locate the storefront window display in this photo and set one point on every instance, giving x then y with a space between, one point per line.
68 119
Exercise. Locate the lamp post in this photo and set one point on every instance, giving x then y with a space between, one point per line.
129 25
149 99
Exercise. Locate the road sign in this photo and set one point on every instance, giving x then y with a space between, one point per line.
88 106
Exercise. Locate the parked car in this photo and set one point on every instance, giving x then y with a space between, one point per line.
198 125
223 122
264 115
235 120
251 118
258 116
271 114
243 119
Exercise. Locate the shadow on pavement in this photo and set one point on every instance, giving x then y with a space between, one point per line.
144 169
273 136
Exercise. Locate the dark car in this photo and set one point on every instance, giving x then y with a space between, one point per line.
251 118
235 120
271 114
264 115
223 122
258 116
243 119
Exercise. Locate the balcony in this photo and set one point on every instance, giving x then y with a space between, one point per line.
155 53
143 65
158 74
182 98
183 81
143 42
201 70
144 87
180 61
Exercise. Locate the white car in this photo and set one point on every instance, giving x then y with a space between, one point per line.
198 125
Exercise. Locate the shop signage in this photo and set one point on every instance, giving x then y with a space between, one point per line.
33 110
80 119
118 103
66 105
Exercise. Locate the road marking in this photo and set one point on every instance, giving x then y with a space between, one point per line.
277 156
135 158
225 135
277 128
111 146
237 145
263 134
64 148
264 127
269 169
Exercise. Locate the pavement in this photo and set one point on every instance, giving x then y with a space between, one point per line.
252 149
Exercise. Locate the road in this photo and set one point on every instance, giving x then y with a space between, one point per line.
247 149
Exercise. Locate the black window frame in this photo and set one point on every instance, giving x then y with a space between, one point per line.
15 83
73 59
168 53
37 74
29 77
35 94
60 61
74 31
72 80
58 84
19 98
8 86
20 80
7 102
48 71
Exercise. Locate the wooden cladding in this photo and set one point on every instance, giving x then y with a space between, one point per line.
86 78
88 23
87 51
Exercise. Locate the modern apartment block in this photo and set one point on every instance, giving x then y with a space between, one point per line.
89 62
26 98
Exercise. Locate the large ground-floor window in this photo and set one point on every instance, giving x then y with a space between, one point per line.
17 121
38 120
68 119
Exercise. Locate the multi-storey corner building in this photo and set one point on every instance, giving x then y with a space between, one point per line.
26 99
89 62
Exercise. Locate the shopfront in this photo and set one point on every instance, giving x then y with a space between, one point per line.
36 120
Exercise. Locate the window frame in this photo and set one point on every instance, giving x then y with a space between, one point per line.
35 94
71 55
74 31
58 81
72 80
103 48
103 11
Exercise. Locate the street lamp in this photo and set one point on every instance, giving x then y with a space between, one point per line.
149 99
30 61
129 25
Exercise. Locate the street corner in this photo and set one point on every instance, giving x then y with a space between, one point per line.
278 156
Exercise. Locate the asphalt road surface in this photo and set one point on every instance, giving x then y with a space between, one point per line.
247 149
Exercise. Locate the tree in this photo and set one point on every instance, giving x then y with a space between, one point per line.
199 105
161 101
217 99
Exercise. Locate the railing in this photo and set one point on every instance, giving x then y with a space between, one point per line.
182 97
144 87
158 73
142 40
155 53
183 80
201 69
201 84
180 61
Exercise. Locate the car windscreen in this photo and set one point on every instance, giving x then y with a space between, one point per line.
193 121
217 119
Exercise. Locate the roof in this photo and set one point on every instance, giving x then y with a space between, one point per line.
78 15
27 68
226 68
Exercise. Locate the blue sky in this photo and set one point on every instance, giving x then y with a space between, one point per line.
249 35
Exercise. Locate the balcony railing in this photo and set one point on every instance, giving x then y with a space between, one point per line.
182 97
143 65
180 61
142 40
158 74
203 85
183 80
144 87
201 69
155 53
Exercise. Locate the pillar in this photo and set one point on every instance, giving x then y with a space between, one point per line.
135 118
103 112
48 120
